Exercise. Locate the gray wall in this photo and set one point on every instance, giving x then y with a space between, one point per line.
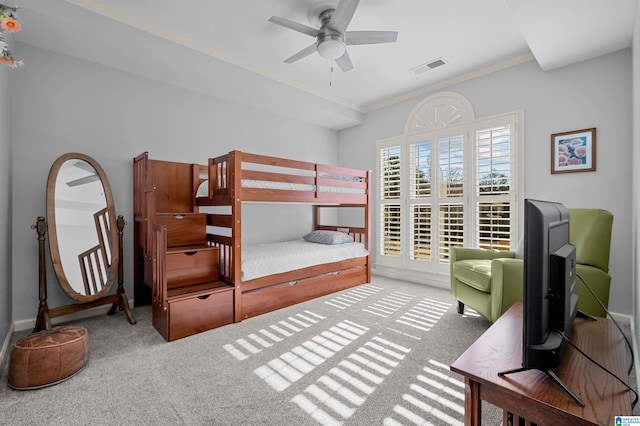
65 105
594 93
7 75
62 104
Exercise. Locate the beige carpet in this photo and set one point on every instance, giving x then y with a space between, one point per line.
377 354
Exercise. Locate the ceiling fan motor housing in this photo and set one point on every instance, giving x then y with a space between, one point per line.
331 45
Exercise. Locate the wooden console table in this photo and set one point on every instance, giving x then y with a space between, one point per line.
531 394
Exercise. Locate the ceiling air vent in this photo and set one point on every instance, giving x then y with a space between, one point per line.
428 66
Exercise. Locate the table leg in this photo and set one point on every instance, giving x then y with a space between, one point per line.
472 404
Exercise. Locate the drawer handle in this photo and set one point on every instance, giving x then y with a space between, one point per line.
179 216
336 273
190 253
292 283
203 297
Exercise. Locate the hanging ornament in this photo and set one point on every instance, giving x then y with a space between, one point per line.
8 24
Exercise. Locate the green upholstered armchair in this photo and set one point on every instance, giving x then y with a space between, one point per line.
490 281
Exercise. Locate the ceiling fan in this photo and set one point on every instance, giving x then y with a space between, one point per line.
332 38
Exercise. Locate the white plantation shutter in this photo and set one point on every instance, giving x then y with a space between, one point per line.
390 177
493 160
420 184
451 229
448 183
494 226
493 193
451 217
420 169
451 160
420 240
390 236
390 215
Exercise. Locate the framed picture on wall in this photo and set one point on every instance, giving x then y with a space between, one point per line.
573 151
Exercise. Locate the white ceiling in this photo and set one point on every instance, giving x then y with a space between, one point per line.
229 49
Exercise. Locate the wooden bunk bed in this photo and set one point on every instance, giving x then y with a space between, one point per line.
168 195
239 177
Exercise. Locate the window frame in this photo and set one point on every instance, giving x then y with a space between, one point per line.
466 125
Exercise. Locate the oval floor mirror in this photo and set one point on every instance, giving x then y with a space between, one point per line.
85 239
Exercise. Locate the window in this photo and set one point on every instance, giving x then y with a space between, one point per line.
450 180
390 211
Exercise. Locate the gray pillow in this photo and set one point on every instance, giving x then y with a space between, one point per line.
328 237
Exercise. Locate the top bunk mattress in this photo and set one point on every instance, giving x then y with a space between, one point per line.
260 260
203 188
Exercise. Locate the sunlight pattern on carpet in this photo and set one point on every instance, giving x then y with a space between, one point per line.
435 397
253 344
291 366
389 304
425 314
349 298
335 396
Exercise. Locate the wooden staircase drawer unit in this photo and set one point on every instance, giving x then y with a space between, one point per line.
189 314
184 229
191 265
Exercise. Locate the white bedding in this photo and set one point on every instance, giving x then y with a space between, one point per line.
203 189
260 260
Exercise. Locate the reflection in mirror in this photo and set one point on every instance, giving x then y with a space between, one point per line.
81 225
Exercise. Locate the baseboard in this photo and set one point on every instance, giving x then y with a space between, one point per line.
5 346
621 318
418 277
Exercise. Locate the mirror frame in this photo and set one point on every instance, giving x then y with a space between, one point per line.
53 233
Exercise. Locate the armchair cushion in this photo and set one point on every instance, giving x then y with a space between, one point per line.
475 273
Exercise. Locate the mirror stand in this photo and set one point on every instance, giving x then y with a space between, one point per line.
117 300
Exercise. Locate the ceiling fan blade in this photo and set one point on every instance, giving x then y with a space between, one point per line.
344 62
305 29
370 37
301 54
342 15
84 166
83 180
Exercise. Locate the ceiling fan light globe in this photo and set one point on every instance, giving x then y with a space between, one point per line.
331 48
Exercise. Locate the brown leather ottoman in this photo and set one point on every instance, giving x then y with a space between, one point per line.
48 357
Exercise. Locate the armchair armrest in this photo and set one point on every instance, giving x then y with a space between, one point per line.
507 277
462 253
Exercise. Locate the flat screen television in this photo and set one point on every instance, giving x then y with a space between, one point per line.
550 303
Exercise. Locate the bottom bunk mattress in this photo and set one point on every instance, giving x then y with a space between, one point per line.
291 272
261 260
